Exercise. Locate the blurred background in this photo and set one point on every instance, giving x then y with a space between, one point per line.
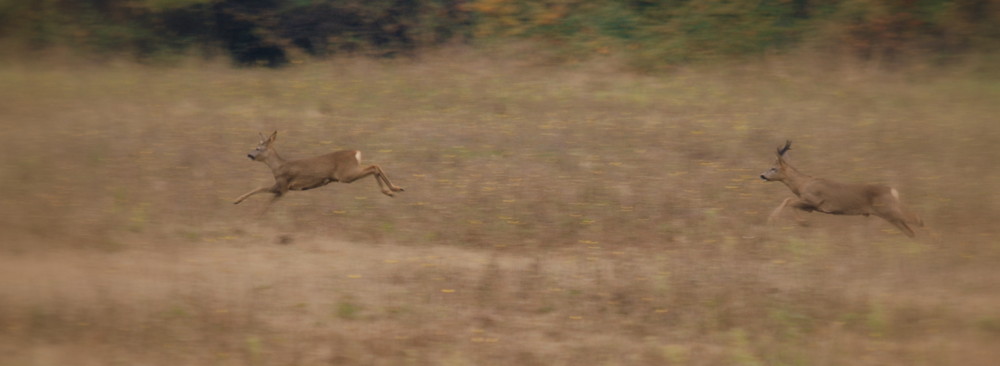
645 34
581 182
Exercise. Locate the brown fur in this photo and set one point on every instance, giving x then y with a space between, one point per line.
303 174
827 196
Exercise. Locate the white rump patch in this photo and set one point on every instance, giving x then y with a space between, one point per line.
357 156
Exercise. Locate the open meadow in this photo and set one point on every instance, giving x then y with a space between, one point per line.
571 215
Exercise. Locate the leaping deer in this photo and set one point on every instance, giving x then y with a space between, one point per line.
299 175
826 196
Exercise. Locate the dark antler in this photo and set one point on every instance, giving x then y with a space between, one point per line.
783 150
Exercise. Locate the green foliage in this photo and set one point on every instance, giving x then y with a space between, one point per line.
348 310
648 34
166 5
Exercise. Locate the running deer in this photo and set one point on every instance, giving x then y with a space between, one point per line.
303 174
826 196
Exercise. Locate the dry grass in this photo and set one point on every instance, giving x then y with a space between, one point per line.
572 215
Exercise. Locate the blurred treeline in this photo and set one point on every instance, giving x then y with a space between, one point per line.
647 34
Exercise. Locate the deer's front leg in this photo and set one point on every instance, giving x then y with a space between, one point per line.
253 192
795 203
777 211
278 192
279 189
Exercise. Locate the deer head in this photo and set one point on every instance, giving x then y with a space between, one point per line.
263 149
777 172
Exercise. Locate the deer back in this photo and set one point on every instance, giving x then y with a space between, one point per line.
319 170
844 198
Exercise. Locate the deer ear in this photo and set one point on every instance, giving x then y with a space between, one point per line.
273 136
784 149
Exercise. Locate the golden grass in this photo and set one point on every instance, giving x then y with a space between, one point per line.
571 215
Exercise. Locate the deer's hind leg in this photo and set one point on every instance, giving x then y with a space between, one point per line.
380 174
900 224
910 217
890 209
379 177
897 218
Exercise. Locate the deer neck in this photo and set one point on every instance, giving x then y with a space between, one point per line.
794 179
274 161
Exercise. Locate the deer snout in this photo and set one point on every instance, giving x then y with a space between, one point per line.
250 156
767 174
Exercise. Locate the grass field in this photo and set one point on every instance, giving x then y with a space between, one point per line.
572 215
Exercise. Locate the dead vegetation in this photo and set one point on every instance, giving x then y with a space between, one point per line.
552 216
